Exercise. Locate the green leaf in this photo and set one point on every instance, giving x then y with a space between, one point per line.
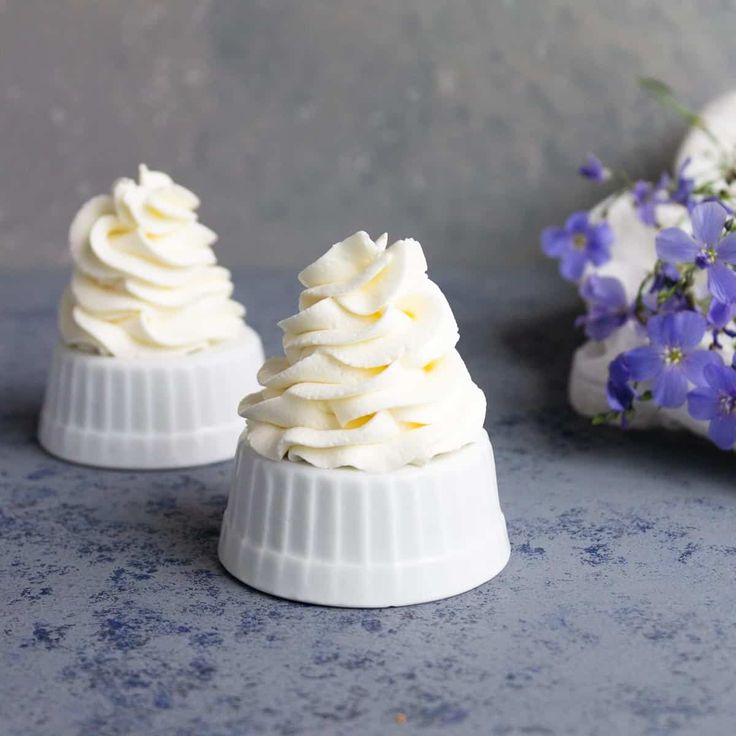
655 86
599 419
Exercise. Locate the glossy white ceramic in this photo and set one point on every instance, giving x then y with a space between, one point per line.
350 538
165 412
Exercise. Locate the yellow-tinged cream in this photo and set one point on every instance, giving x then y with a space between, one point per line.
370 376
146 280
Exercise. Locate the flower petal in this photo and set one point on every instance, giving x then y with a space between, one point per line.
670 388
594 169
695 363
727 249
722 283
683 329
722 431
660 329
708 219
577 222
572 265
676 246
643 363
703 403
620 396
600 324
642 191
647 212
618 392
600 237
684 185
722 378
687 329
555 241
618 369
604 290
719 314
602 234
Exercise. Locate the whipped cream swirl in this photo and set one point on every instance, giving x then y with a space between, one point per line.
370 377
146 280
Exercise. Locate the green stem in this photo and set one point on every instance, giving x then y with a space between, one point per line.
665 96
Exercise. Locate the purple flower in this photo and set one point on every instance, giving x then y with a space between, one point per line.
705 247
666 276
672 358
675 303
594 170
711 198
578 243
646 198
669 272
618 391
717 402
720 314
684 186
607 306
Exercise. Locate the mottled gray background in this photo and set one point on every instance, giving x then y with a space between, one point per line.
456 121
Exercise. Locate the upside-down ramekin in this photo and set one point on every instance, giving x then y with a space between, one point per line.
146 413
350 538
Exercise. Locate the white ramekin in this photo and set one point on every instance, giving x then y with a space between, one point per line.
167 412
350 538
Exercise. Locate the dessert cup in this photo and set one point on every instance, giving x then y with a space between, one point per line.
153 350
343 537
145 413
364 477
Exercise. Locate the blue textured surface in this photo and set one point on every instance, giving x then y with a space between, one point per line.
614 615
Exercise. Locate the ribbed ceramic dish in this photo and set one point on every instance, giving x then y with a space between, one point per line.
166 412
350 538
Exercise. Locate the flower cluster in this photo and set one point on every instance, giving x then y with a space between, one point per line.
682 315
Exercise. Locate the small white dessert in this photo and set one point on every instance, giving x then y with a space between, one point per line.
153 349
364 477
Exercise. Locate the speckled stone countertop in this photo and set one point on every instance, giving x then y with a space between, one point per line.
615 615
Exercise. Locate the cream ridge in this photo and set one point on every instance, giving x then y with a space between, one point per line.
146 280
370 376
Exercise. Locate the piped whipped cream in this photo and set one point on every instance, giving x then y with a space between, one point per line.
146 280
370 378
